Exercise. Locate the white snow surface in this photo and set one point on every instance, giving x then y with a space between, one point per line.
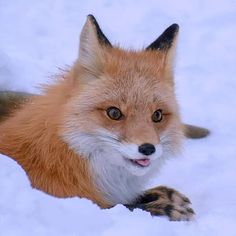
38 37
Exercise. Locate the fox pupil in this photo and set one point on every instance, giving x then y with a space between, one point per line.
114 113
157 116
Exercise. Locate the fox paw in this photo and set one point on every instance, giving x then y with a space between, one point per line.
164 201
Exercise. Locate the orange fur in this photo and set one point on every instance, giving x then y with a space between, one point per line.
139 70
33 136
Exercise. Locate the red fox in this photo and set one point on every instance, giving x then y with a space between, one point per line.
105 127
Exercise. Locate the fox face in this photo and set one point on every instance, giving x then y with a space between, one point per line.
126 110
123 115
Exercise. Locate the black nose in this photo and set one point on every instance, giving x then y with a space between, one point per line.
147 149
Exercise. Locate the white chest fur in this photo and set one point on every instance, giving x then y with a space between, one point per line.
115 182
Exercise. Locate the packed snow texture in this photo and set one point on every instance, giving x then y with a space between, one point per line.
38 37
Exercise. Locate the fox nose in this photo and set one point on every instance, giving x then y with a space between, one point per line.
147 149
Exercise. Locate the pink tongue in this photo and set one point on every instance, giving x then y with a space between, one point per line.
143 162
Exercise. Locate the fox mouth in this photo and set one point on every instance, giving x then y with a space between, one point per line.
144 162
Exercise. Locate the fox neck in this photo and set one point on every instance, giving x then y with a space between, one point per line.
119 186
116 183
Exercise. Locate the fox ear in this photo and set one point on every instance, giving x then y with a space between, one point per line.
166 39
102 39
166 43
92 40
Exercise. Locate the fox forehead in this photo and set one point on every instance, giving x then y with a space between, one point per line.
134 77
130 68
135 92
147 63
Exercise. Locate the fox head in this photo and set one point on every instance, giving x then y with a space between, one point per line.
123 111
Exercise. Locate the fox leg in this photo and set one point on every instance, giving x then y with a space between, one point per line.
164 201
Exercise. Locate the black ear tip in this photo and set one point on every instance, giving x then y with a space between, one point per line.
91 17
101 37
165 40
171 31
173 28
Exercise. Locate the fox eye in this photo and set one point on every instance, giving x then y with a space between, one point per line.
114 113
157 116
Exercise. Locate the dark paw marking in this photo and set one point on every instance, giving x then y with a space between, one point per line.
149 197
168 210
165 201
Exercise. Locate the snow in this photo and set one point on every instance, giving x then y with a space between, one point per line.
38 37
